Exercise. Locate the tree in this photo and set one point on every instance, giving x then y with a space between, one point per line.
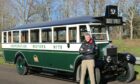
44 10
6 19
129 10
136 25
87 8
131 14
97 7
24 10
67 8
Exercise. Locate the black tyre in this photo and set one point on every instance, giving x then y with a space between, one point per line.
128 74
21 66
97 75
78 74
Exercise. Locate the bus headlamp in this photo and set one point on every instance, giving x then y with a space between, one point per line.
108 59
128 57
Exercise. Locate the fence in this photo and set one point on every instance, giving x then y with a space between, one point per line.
137 60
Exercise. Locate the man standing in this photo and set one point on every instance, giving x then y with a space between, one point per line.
87 49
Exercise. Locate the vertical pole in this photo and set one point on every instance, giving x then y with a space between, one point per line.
19 36
78 34
40 36
29 36
7 37
88 29
67 34
2 37
107 33
52 34
11 36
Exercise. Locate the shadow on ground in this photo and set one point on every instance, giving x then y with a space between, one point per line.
68 78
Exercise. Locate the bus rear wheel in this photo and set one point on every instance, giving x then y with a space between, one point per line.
21 66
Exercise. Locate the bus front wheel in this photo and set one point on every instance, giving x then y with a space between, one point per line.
21 66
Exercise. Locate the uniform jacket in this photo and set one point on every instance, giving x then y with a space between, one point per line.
88 49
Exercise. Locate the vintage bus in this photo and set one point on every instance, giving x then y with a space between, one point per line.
54 46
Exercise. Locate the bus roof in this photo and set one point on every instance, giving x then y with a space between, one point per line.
76 20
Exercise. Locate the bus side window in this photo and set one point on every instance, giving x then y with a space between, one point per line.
24 36
46 35
60 34
35 35
15 36
72 34
5 37
83 30
9 37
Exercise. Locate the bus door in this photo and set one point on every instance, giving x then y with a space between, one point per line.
73 39
68 53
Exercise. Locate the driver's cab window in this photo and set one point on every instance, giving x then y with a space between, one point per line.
98 29
83 30
72 34
99 33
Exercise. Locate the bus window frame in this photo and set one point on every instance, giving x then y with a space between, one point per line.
27 36
10 37
46 28
77 34
29 33
39 40
2 37
87 28
18 36
5 34
106 32
53 30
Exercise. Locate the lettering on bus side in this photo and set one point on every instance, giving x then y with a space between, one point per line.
57 47
39 46
18 46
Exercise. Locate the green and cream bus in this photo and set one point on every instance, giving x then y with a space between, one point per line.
54 46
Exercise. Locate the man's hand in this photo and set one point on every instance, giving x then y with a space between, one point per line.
82 51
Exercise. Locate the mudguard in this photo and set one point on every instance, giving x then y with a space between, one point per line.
127 56
99 63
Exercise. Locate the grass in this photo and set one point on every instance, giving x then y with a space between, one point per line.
131 46
1 60
1 57
137 69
